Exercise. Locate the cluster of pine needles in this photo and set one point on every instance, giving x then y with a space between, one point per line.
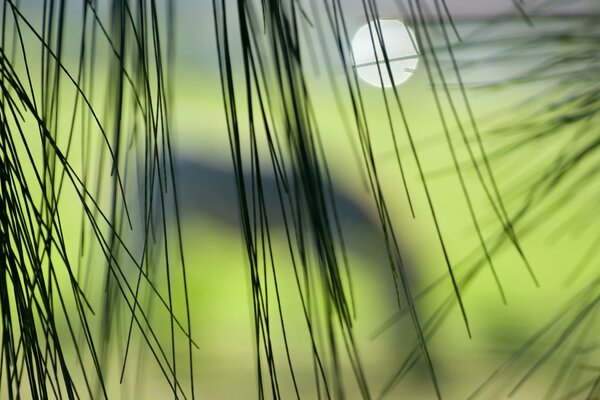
72 142
556 190
104 156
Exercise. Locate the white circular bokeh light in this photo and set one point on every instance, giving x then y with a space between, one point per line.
400 46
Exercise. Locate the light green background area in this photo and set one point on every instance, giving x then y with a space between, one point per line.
217 266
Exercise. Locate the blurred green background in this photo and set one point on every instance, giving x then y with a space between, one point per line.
218 280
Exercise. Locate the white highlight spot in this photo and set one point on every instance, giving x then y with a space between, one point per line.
401 48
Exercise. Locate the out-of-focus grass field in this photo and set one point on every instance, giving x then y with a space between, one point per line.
497 329
216 259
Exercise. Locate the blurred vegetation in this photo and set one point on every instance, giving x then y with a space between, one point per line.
202 199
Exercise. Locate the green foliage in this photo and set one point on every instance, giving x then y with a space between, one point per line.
88 144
